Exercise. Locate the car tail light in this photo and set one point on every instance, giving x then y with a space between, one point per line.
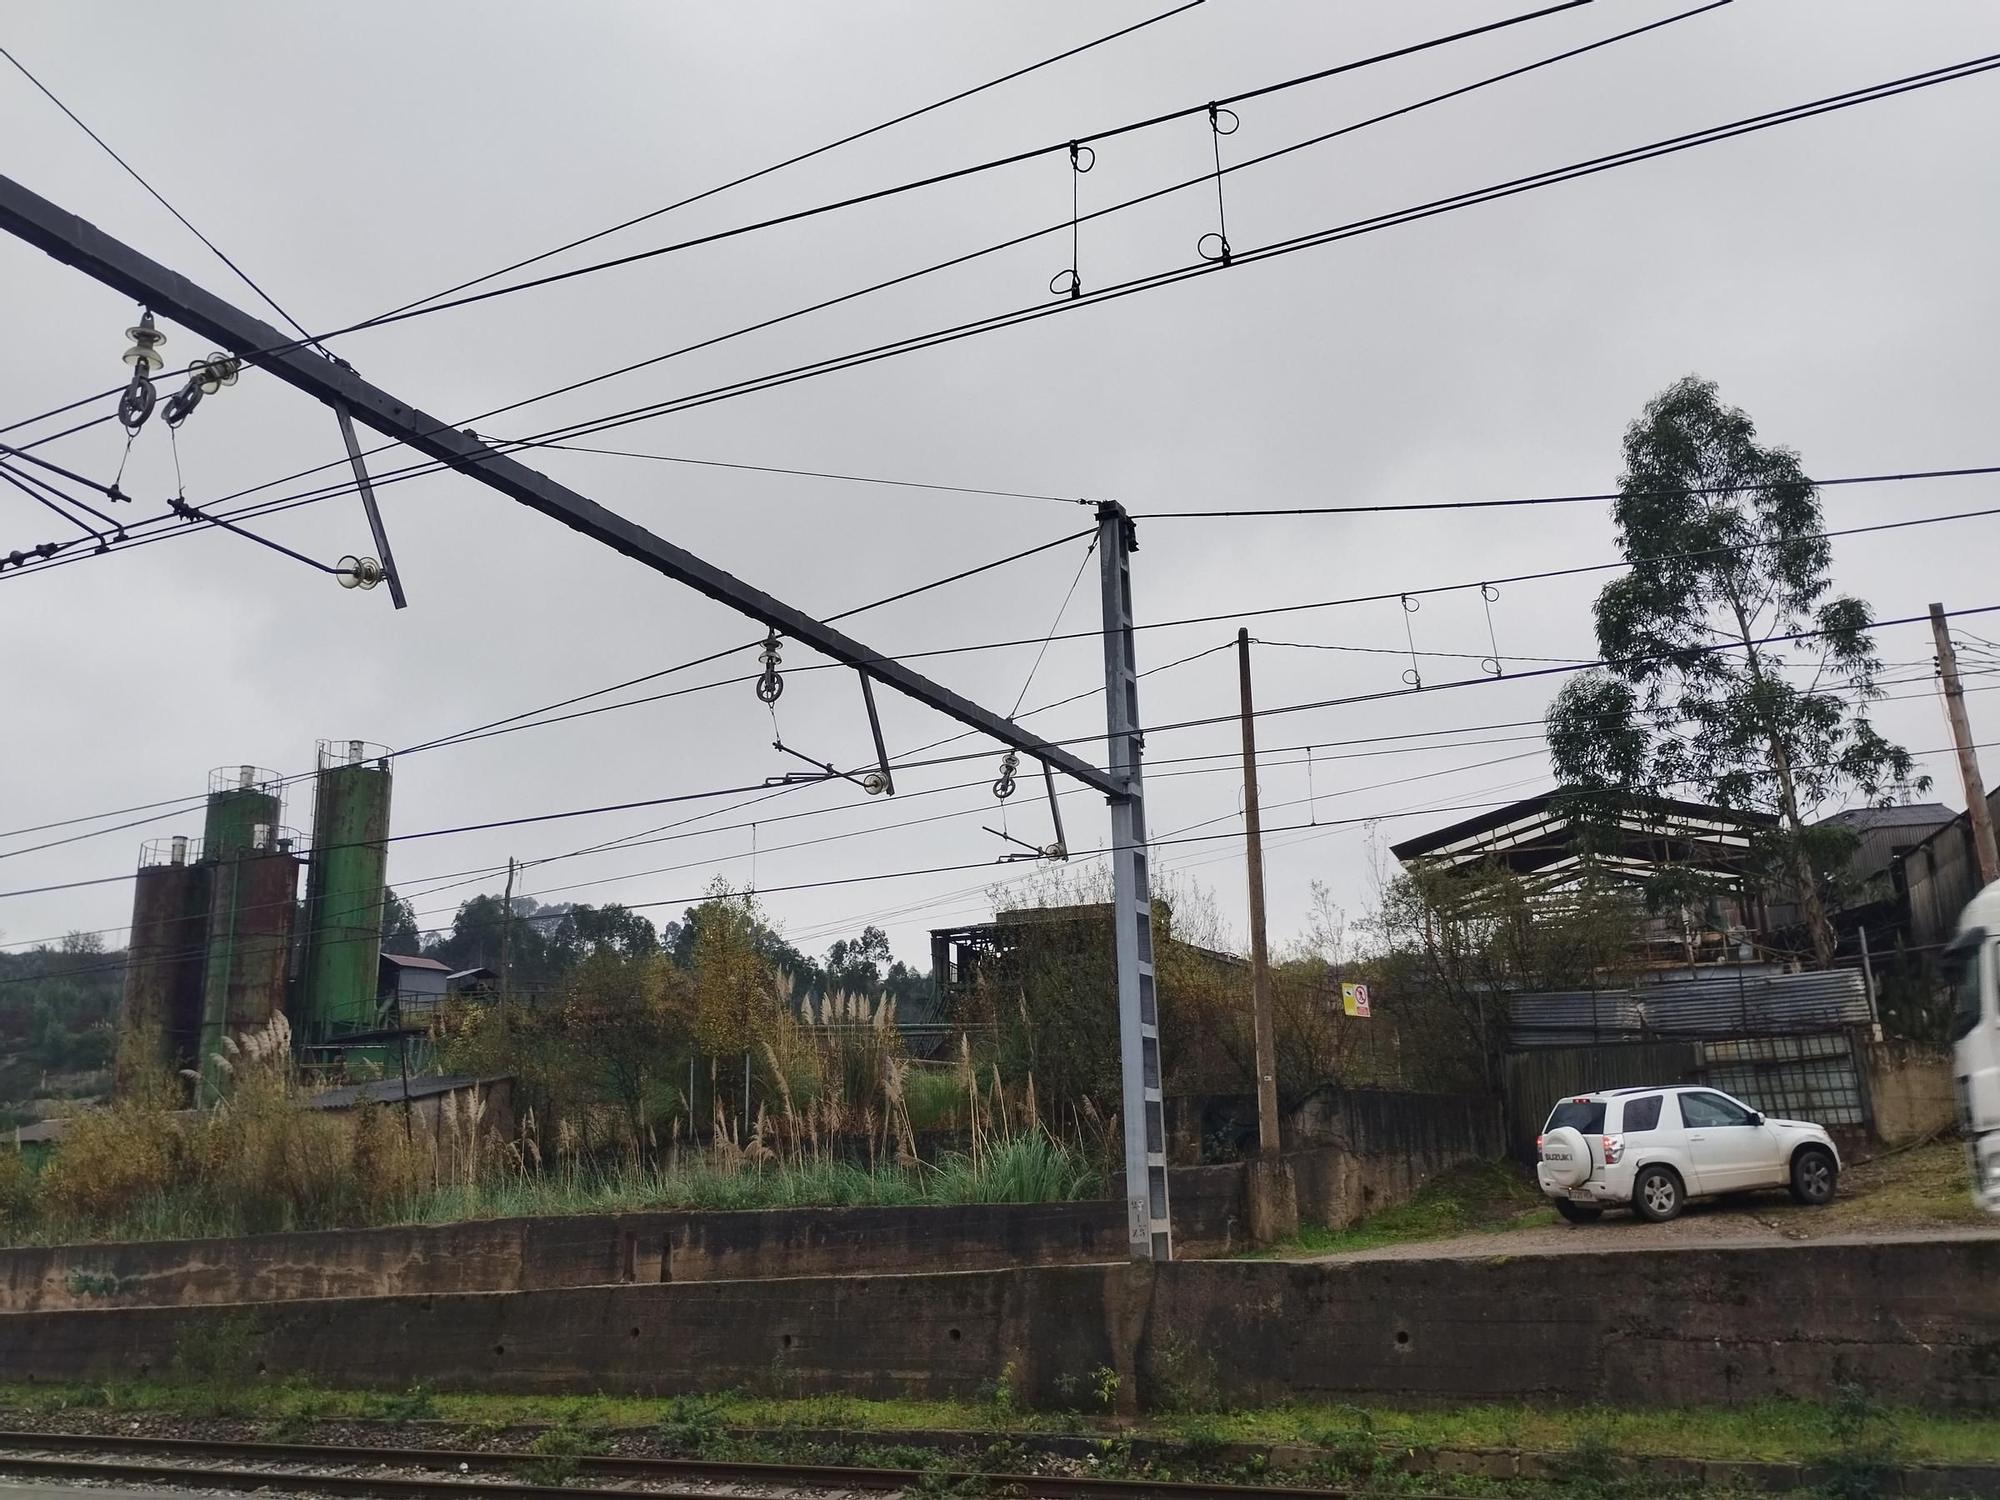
1538 1143
1614 1149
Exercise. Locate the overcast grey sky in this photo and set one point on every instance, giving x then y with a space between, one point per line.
1835 277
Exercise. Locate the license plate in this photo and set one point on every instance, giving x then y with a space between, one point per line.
1578 1195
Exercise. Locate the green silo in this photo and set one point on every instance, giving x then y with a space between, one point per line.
345 890
240 799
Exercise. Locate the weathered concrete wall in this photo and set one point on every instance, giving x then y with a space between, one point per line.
599 1249
761 1244
1914 1319
496 1254
1360 1151
1910 1090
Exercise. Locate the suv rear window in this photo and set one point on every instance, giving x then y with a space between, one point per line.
1585 1115
1642 1114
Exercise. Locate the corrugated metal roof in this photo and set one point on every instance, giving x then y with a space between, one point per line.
413 961
391 1091
1914 815
1754 1005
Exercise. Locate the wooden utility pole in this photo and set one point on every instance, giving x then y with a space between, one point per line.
506 939
1976 810
1260 953
1273 1201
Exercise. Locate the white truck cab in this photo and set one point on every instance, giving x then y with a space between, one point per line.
1652 1149
1971 960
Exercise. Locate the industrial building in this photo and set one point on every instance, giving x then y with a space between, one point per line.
221 940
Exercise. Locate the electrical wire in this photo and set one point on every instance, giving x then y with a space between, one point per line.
936 179
1158 280
502 725
906 765
987 250
1421 505
803 156
175 805
987 865
716 463
740 181
133 172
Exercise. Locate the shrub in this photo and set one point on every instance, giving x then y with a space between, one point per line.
17 1191
110 1162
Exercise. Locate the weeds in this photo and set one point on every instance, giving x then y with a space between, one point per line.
557 1452
417 1404
1184 1377
1865 1446
692 1424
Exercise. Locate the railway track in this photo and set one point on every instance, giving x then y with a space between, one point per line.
314 1468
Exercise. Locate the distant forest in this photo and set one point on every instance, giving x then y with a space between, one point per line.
59 1005
548 942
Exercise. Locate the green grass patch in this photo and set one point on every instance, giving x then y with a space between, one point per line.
1029 1167
1777 1431
1483 1196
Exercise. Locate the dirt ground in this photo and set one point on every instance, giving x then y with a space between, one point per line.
1922 1191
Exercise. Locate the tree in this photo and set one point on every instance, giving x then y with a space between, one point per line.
1453 944
855 965
1726 556
399 925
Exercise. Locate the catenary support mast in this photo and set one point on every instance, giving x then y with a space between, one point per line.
1132 905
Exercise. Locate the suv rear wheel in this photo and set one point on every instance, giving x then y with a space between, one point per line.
1579 1213
1814 1175
1657 1194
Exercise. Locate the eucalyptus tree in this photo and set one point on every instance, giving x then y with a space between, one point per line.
1733 672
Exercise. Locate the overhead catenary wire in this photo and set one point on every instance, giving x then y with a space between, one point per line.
174 805
502 725
803 156
528 720
1249 512
1482 679
418 470
1292 245
982 864
706 193
1267 760
955 174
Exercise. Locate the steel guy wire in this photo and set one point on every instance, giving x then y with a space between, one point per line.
133 172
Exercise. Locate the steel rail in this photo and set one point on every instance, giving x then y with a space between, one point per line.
457 1465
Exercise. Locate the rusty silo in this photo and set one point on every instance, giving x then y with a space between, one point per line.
253 884
344 890
160 1017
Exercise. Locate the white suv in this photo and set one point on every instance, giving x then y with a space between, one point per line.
1652 1149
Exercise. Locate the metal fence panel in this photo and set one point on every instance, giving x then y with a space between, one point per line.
1739 1005
1792 1077
1533 1081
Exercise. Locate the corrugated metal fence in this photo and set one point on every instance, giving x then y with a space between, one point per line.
1803 1077
1735 1005
1534 1080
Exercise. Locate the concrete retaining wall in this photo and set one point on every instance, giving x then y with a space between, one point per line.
1914 1319
1910 1090
509 1255
1365 1150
